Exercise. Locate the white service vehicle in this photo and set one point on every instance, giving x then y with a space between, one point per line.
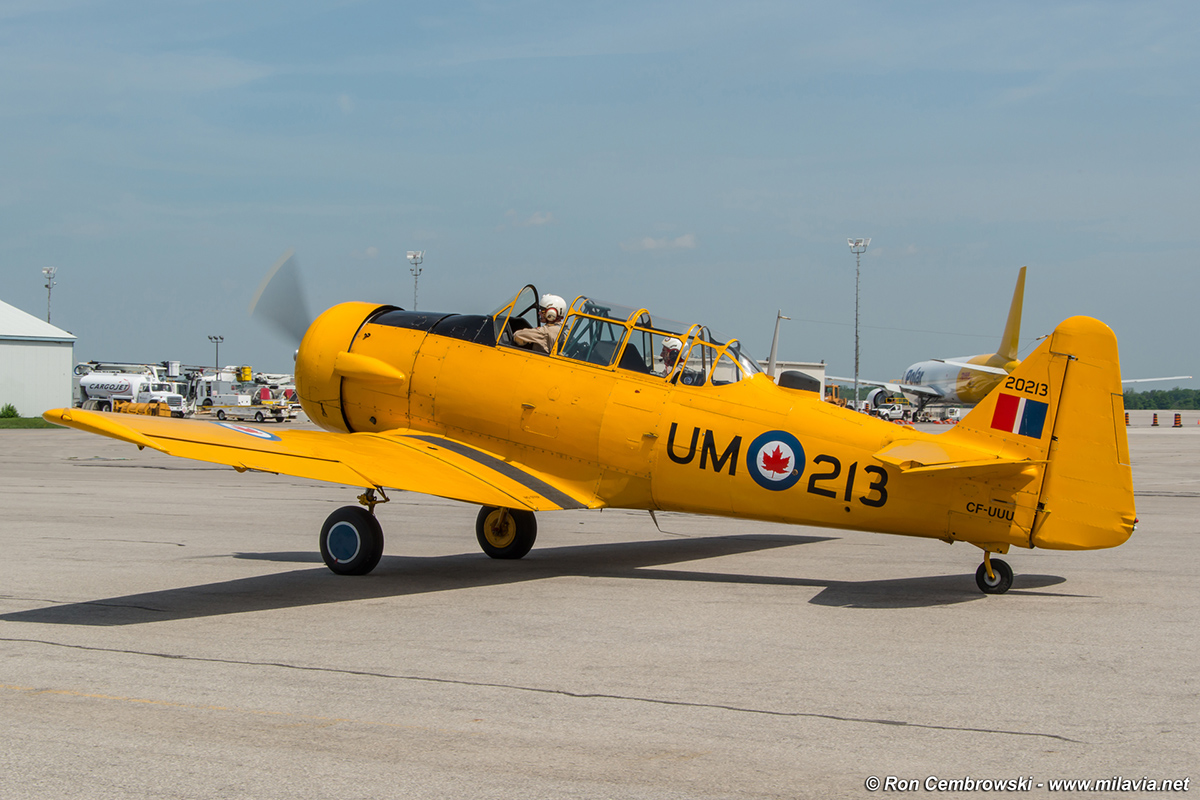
226 399
894 412
99 390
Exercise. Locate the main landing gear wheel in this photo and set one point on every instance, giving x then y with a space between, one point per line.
1000 580
505 534
351 541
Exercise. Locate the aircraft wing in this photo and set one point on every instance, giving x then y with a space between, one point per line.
1148 380
976 367
893 386
399 459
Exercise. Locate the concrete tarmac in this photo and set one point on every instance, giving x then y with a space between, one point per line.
167 630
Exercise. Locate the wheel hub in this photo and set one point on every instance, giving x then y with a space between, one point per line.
501 529
343 542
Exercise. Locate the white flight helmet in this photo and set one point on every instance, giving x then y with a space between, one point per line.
671 343
554 307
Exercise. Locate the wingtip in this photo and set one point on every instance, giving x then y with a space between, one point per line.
96 422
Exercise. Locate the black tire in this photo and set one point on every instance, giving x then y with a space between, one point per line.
221 414
207 402
351 541
105 406
514 541
279 419
1002 582
258 416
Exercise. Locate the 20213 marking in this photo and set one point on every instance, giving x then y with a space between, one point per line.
1033 388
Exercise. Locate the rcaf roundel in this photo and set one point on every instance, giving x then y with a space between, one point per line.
775 460
246 429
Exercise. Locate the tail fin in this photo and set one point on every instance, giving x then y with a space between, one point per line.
1064 406
1010 342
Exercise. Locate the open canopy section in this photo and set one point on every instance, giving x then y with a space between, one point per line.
633 339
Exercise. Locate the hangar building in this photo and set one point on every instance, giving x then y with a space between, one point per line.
36 360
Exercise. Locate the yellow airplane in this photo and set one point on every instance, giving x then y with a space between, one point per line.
966 380
448 405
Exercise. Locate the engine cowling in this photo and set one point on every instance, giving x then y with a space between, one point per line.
318 377
878 397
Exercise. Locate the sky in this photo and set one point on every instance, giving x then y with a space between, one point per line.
704 160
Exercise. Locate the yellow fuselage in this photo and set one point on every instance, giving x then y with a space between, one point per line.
631 440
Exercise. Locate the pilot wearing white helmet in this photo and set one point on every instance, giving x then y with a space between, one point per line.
670 353
551 311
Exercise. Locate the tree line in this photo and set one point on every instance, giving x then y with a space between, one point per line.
1162 399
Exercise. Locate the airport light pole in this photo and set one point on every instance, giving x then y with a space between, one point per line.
416 257
50 284
858 247
216 340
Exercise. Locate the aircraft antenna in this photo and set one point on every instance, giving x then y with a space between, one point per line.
775 343
50 284
416 257
858 247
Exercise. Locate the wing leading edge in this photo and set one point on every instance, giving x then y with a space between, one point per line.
407 460
893 386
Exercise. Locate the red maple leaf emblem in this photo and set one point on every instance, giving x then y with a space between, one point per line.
776 462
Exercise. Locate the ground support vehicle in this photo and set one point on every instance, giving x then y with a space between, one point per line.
151 409
101 391
894 412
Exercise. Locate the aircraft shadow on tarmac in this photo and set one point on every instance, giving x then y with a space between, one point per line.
397 576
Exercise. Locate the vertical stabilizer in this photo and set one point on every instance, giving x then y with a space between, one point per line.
1063 407
1010 342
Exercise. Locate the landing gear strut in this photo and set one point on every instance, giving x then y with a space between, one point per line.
993 576
503 533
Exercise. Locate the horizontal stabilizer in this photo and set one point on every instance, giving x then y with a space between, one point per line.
925 457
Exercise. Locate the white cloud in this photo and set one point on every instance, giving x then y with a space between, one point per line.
536 219
685 242
345 103
87 79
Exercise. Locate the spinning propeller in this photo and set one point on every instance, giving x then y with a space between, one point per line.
280 301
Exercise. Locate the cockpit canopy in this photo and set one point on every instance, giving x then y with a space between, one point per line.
611 335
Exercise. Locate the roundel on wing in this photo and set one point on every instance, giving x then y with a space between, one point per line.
246 429
775 460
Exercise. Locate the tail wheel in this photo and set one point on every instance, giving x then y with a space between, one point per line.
1000 581
503 533
351 541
